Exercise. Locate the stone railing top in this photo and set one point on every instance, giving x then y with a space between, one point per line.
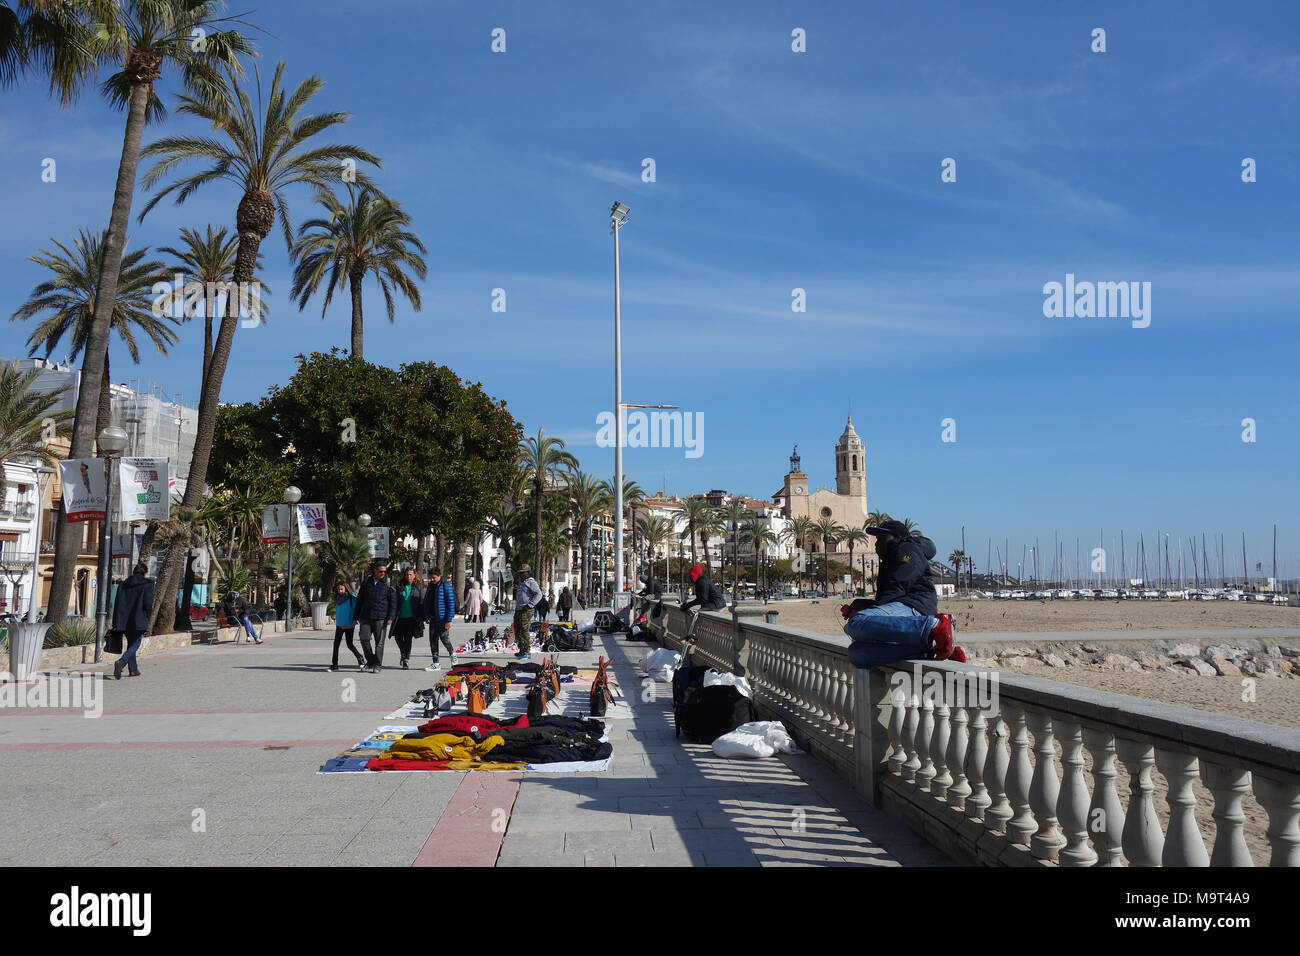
1267 747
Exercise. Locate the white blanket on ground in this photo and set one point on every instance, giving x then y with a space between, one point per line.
762 738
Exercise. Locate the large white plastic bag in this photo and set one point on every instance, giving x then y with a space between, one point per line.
762 738
659 664
712 677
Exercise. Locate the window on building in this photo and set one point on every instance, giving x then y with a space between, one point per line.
826 512
855 462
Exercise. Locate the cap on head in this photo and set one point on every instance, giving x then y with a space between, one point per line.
525 569
696 571
891 527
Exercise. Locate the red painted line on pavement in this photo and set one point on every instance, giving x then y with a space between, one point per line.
174 744
471 828
42 711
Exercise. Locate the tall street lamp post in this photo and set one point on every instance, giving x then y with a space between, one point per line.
35 597
618 219
293 495
112 441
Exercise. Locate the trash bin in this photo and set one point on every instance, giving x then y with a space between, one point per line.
319 617
25 643
769 617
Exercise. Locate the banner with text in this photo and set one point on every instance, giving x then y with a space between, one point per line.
275 524
311 523
379 542
85 496
144 495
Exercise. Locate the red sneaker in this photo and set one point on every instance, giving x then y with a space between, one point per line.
941 635
957 654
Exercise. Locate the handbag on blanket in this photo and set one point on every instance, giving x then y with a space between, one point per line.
600 695
438 699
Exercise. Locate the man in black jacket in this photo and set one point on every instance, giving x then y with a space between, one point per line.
652 592
376 608
708 597
131 607
903 621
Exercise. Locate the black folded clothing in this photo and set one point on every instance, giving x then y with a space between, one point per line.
550 744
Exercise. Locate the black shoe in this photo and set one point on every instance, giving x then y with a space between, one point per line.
404 667
117 671
334 667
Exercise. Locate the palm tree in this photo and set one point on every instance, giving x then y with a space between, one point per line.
655 530
347 552
24 415
910 525
734 513
758 535
67 305
829 532
876 518
144 36
588 499
57 40
713 522
958 559
208 259
696 511
546 461
632 496
853 537
369 235
802 529
262 151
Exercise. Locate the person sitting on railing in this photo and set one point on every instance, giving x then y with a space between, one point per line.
903 621
652 593
708 597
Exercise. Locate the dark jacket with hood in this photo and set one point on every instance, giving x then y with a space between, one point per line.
905 575
708 596
376 601
132 604
652 588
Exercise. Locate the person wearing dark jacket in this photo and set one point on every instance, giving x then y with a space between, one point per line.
376 608
131 609
651 593
565 604
903 621
708 597
409 623
439 609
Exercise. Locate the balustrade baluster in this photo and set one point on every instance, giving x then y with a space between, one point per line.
1281 800
924 731
958 741
977 753
1072 804
897 726
996 769
1021 826
911 731
1183 843
1228 785
939 752
1142 840
1105 812
1044 789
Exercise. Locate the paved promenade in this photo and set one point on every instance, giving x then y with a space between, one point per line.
210 759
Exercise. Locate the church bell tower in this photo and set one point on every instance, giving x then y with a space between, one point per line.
851 464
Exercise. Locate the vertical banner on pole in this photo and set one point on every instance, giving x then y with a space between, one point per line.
275 524
85 492
312 525
379 544
143 494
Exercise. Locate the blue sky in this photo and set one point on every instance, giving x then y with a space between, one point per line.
820 170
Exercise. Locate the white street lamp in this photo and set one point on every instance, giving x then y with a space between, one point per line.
618 219
293 495
112 442
35 597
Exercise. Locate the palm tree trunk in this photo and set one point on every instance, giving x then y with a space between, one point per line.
144 69
354 281
537 527
104 411
254 218
210 307
458 567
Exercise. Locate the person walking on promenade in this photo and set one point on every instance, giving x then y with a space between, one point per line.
439 611
485 602
409 624
527 596
565 604
131 607
543 608
708 597
375 611
903 621
345 619
473 602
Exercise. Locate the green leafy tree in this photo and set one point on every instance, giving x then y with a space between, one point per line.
368 235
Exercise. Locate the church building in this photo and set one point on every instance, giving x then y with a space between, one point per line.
847 504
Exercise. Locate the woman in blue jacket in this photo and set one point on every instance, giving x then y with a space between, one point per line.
345 606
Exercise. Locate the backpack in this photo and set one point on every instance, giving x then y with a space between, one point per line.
566 639
707 713
685 677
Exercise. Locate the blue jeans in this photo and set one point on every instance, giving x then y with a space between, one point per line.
888 633
248 626
127 660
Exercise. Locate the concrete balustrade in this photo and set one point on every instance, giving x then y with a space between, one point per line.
977 774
